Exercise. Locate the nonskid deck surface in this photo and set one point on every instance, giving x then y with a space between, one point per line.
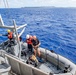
44 66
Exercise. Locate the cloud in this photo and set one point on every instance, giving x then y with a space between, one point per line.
73 0
33 3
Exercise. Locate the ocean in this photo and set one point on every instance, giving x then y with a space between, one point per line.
54 27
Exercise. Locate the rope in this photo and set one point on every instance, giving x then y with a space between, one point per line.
5 3
0 2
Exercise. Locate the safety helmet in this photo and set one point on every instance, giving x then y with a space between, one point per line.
27 36
8 30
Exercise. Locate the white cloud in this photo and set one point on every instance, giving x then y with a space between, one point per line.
31 3
73 0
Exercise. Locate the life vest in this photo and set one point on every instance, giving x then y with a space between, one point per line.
29 41
10 35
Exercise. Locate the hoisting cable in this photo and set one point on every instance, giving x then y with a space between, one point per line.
0 2
5 3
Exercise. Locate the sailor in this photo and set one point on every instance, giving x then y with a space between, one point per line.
29 42
10 36
33 57
19 37
32 60
36 44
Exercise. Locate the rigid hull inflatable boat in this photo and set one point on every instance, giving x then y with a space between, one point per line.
17 56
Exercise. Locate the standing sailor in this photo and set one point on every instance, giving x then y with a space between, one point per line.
10 37
36 44
29 42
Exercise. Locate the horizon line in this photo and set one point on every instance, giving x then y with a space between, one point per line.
37 7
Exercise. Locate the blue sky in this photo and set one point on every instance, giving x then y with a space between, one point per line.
36 3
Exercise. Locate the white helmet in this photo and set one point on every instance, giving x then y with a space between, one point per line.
27 36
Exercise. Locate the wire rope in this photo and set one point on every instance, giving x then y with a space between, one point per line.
5 3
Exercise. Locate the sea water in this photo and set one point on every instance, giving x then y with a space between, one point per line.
54 27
